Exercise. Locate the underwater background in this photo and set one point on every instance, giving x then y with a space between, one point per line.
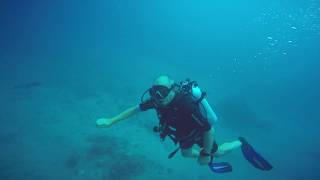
64 64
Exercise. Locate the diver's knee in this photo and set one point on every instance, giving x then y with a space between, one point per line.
185 154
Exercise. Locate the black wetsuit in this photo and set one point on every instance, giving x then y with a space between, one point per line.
183 114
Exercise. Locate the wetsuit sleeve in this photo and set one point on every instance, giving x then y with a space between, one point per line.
146 105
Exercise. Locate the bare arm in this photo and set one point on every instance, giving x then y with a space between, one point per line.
208 140
126 114
104 122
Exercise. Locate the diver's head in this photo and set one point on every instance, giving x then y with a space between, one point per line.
162 90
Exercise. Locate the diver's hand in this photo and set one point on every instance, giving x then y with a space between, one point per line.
104 122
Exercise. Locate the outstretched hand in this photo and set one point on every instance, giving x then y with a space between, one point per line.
104 122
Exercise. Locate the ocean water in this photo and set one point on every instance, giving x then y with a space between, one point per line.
64 64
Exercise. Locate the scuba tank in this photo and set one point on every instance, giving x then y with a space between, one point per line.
208 112
199 96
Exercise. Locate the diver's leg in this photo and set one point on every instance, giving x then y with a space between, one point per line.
190 153
226 148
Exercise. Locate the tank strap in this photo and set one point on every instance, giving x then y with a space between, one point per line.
203 95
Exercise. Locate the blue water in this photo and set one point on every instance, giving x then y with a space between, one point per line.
66 63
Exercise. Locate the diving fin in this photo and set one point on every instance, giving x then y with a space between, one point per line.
220 167
253 157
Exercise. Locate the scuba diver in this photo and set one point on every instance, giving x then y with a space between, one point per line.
187 119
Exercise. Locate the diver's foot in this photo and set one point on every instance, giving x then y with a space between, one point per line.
253 157
220 167
243 141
